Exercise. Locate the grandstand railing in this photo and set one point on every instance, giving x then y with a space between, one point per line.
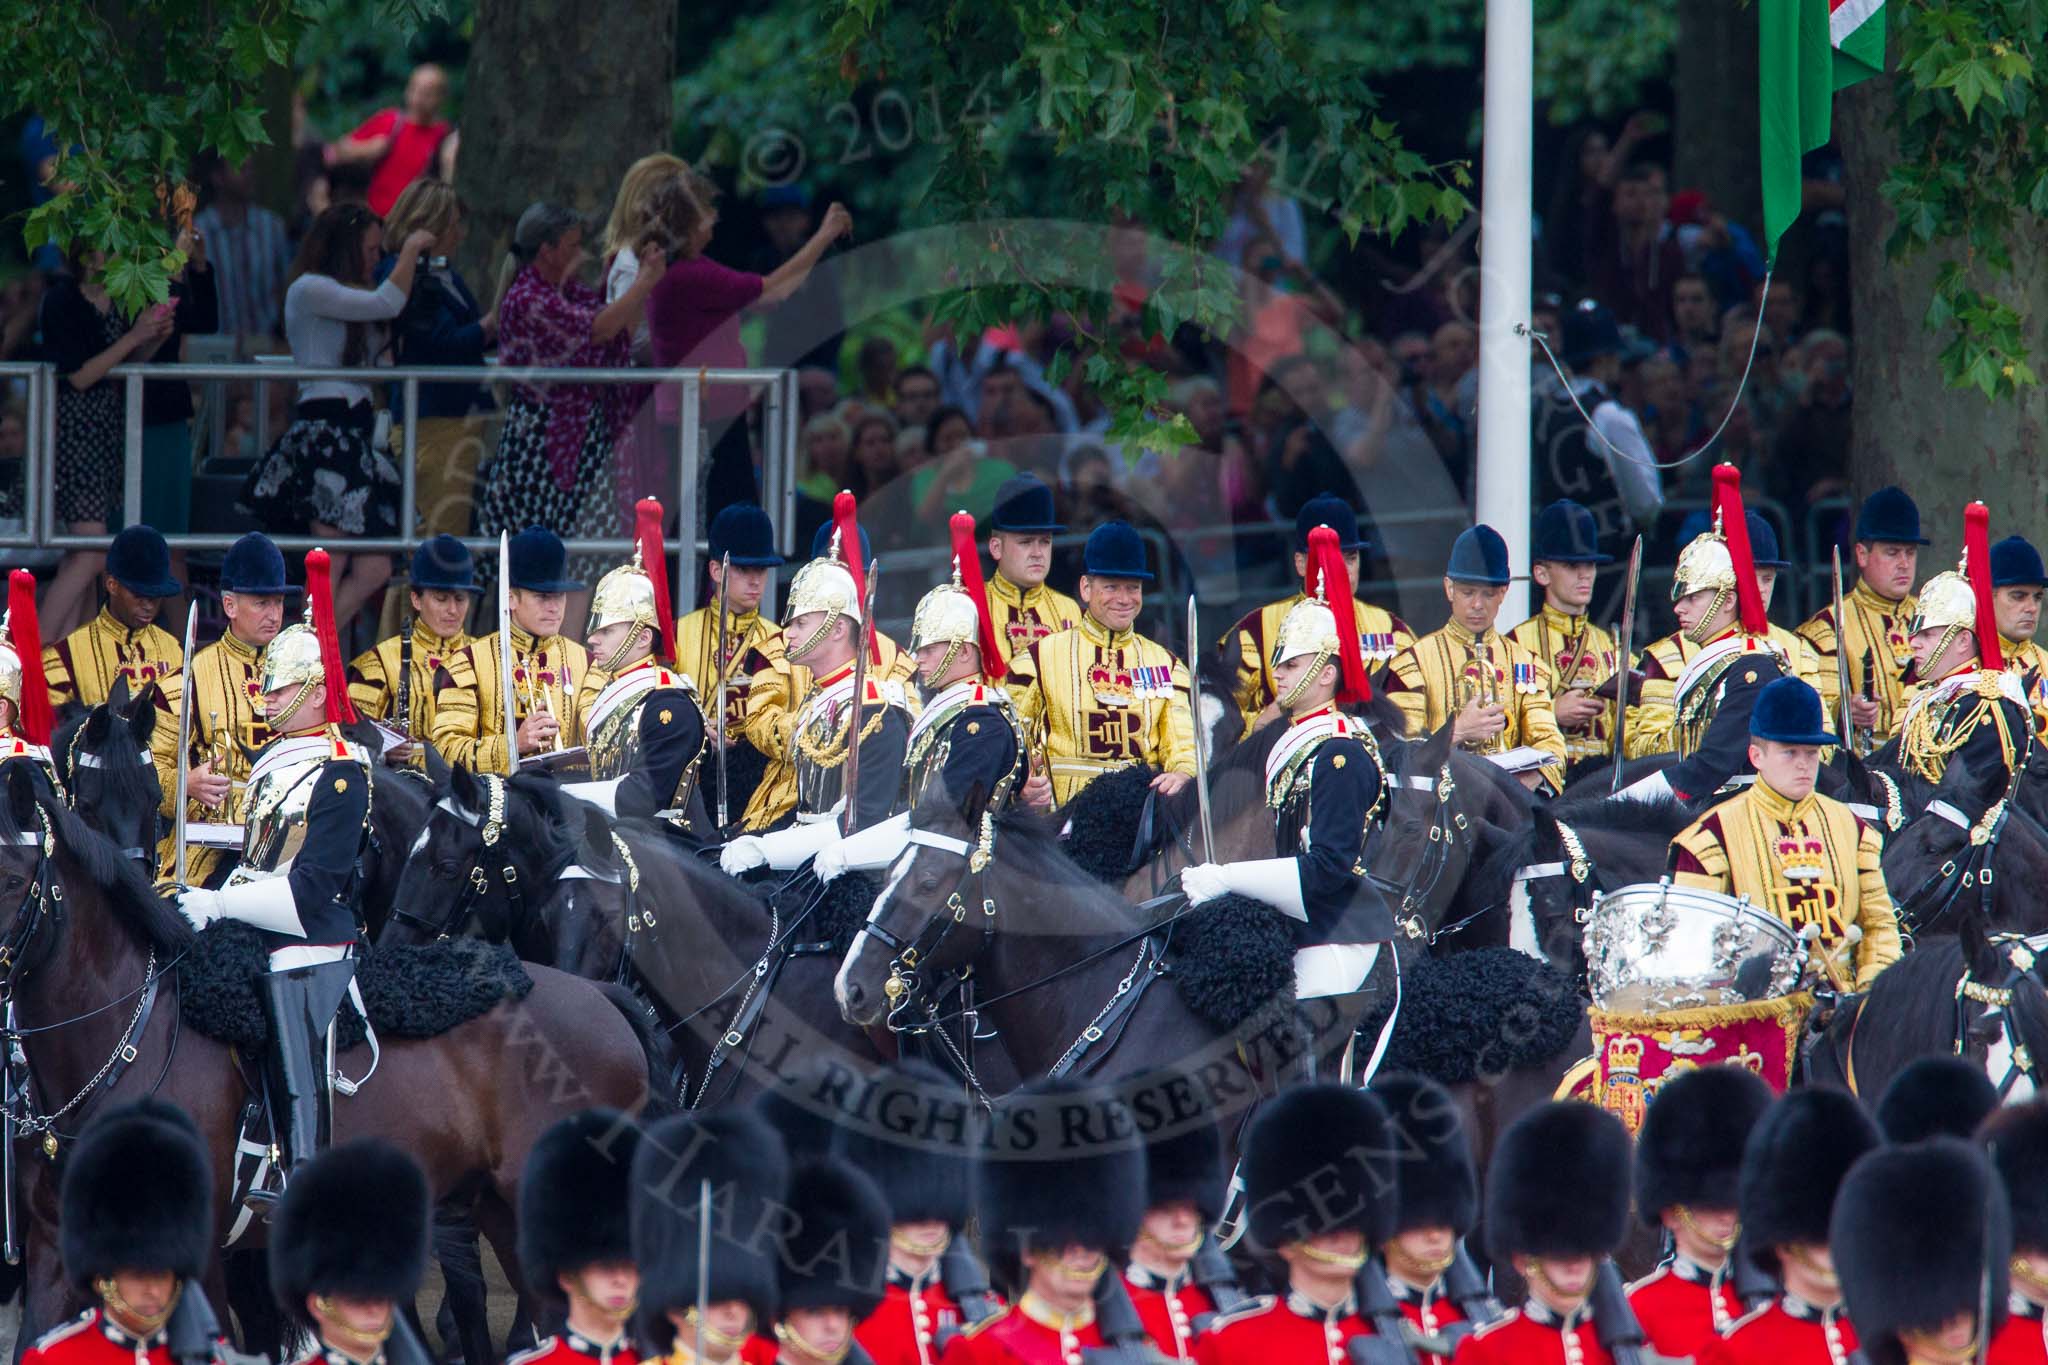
780 414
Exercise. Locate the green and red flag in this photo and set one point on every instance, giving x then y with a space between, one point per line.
1808 49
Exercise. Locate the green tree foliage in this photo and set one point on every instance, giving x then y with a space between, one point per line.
1146 113
128 125
1971 174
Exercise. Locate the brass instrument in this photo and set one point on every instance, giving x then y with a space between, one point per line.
1484 690
217 753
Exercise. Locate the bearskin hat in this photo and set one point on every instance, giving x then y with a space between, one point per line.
573 1197
1433 1168
2018 1139
801 1108
1689 1152
353 1221
1062 1165
1318 1159
1183 1140
1921 1234
1939 1096
1553 1188
836 1254
1792 1165
748 1170
914 1137
137 1194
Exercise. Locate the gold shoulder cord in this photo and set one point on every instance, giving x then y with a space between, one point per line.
832 753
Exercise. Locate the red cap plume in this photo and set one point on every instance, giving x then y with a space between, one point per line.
1977 566
654 559
1326 572
320 588
849 552
1749 598
36 720
968 556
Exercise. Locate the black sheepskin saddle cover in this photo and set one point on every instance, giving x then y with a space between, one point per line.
1478 1014
1232 960
1101 826
842 908
411 992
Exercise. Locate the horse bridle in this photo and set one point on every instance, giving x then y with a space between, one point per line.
913 992
76 758
1975 867
490 826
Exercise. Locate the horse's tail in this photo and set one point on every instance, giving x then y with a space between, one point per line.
663 1084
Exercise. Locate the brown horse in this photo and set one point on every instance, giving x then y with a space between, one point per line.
87 952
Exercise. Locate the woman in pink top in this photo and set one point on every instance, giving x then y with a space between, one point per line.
693 321
554 454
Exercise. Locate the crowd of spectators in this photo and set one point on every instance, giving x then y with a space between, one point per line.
1314 389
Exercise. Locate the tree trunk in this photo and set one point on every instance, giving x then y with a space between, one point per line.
1715 88
561 98
1943 445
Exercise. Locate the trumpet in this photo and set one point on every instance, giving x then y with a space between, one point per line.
217 753
1484 689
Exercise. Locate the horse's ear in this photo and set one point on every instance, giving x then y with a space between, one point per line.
465 789
141 715
596 844
1436 747
437 769
117 696
21 794
95 729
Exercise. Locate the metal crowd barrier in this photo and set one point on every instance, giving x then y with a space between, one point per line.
780 423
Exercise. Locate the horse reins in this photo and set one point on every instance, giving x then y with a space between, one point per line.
490 825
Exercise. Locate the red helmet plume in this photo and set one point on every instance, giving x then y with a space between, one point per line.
1328 576
848 525
654 561
967 555
36 719
320 587
1749 598
1977 566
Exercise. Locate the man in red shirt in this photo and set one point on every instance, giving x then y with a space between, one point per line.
401 144
1688 1169
912 1137
1319 1173
1792 1166
1556 1207
1059 1186
136 1224
2018 1138
574 1243
1424 1260
1184 1188
1922 1237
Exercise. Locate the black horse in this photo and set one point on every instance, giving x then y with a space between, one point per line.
516 860
103 760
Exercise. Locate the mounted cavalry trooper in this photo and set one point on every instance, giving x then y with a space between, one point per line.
1381 634
547 668
1721 610
1319 1171
123 643
1556 1209
1968 705
1493 693
228 721
1101 696
1792 1166
639 717
394 682
1872 641
1021 526
782 673
2018 580
347 1249
1688 1162
1806 858
25 716
308 821
967 747
1328 787
827 630
575 1245
135 1226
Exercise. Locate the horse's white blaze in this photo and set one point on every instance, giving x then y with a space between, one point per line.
1522 921
896 875
421 842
